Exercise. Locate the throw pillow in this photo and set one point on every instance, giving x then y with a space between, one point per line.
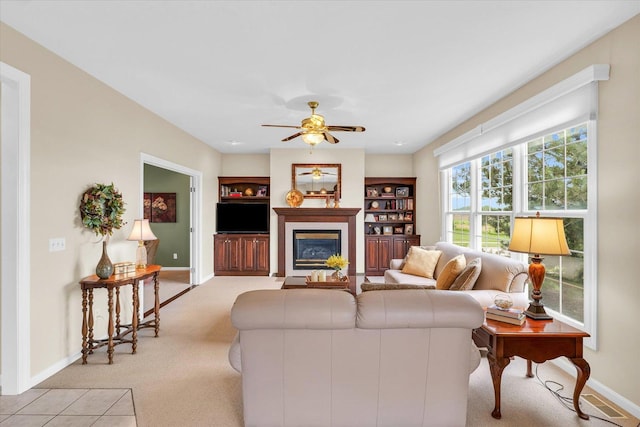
421 262
467 277
404 260
451 271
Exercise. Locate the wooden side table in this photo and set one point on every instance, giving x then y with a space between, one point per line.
88 284
535 340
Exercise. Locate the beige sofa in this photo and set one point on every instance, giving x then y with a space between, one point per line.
324 358
498 275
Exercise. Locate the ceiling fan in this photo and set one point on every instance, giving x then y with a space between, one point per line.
316 173
314 130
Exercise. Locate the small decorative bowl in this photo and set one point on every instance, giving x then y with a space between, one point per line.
503 301
387 189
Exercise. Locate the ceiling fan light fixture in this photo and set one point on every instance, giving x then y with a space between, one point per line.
313 138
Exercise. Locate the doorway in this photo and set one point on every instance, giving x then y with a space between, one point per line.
168 184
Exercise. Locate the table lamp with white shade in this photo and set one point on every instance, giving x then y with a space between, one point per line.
141 232
538 236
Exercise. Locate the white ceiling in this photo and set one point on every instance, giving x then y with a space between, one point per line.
406 70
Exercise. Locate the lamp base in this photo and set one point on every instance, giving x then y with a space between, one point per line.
141 256
536 311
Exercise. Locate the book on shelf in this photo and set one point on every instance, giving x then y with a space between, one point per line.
516 313
505 319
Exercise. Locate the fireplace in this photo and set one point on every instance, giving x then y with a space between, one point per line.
289 219
311 248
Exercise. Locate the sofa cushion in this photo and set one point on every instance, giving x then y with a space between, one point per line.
421 262
467 278
450 272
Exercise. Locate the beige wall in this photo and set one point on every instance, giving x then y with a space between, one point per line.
614 364
83 132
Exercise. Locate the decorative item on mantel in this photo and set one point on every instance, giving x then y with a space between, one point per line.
338 263
294 198
101 210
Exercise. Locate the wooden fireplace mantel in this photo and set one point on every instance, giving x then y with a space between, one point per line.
339 215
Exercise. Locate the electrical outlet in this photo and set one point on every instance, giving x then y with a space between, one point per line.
56 244
175 256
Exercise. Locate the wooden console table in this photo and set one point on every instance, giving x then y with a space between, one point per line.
88 284
535 340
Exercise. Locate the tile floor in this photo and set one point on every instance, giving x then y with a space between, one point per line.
69 407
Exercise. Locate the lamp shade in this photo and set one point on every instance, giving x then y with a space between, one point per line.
141 231
539 236
313 137
369 218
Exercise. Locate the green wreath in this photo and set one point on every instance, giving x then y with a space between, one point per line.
101 209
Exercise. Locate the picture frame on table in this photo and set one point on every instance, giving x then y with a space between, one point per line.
402 192
408 229
387 229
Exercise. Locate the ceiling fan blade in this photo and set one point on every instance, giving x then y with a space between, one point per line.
289 138
347 128
283 126
330 138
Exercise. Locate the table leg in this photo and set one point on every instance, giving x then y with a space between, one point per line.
84 327
134 317
90 342
497 365
110 328
529 369
118 311
156 304
584 371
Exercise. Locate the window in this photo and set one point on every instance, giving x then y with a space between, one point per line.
537 156
553 181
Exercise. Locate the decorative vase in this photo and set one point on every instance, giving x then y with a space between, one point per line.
104 269
337 276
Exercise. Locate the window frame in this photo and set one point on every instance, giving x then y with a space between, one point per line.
519 208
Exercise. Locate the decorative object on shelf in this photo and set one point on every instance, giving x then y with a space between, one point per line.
538 236
374 205
402 192
142 233
503 301
294 198
262 191
408 229
160 207
314 130
387 229
248 192
101 210
337 263
369 218
387 190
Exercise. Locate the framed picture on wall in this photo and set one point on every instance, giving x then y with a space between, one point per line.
160 207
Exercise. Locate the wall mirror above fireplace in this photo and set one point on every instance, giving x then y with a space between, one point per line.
316 180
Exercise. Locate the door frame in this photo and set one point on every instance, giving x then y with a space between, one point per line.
195 211
15 282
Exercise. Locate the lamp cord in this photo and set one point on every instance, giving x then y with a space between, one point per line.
566 401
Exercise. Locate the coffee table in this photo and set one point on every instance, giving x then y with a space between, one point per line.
299 282
535 340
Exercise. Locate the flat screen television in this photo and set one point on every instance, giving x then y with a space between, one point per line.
242 218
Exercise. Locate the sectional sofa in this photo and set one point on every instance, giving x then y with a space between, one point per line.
498 275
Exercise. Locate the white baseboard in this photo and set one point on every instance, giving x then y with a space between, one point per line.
175 268
53 369
600 388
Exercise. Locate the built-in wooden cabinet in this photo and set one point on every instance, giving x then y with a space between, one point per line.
389 221
243 189
241 254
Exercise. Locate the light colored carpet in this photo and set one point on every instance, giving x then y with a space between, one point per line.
184 378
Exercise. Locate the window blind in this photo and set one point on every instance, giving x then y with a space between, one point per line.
572 100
